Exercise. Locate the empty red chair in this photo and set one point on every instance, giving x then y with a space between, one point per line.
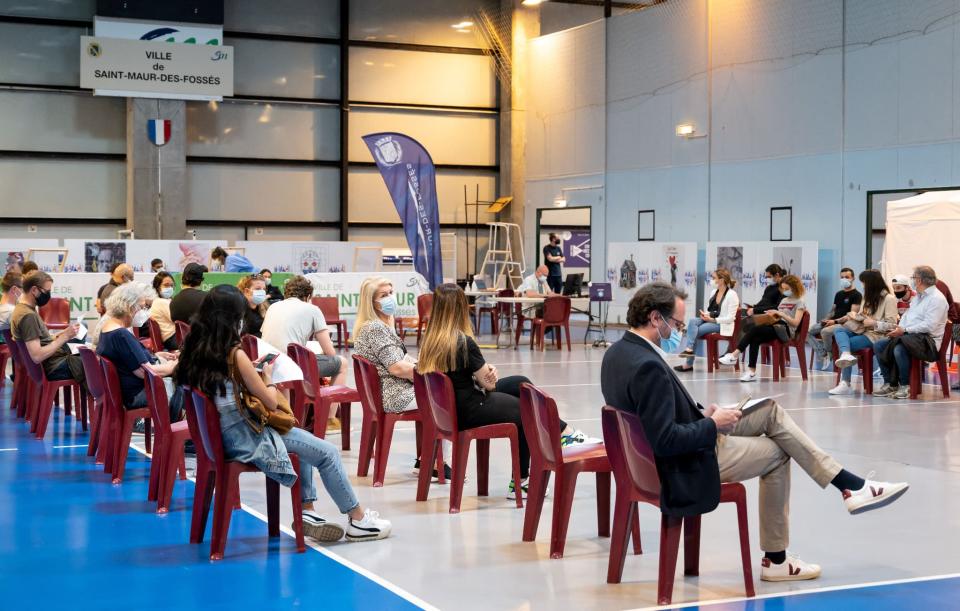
377 432
556 315
183 329
56 314
330 307
21 380
314 392
121 420
781 350
541 425
40 400
222 478
864 363
435 401
917 367
156 335
635 471
248 343
424 306
168 453
100 432
713 340
494 311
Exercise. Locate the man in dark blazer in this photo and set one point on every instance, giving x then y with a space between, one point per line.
697 448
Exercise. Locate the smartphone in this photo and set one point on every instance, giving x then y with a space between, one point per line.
267 359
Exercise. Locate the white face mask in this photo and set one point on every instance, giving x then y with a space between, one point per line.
259 296
166 292
141 318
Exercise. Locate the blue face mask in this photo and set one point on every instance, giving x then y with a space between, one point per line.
388 305
166 292
788 293
845 283
671 343
259 296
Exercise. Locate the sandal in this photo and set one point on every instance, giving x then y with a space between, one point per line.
683 368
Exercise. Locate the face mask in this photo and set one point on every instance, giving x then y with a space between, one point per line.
845 283
388 305
713 283
166 292
787 293
43 298
158 270
900 294
259 296
671 343
541 279
141 318
267 281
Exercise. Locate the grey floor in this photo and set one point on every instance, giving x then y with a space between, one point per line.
476 560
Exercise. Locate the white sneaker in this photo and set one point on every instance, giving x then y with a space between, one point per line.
370 528
317 527
885 391
748 377
843 388
791 569
577 437
873 495
846 360
729 359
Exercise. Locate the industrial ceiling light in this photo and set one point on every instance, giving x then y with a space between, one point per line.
466 23
532 2
686 130
560 202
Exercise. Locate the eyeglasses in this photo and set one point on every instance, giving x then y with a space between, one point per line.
679 325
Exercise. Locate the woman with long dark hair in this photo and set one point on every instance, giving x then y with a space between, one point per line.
449 347
210 350
876 318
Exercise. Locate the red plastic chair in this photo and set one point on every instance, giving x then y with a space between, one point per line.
917 367
183 329
121 420
435 401
494 311
556 315
424 306
168 453
330 307
99 424
541 425
864 363
156 335
635 471
21 380
4 357
312 390
378 424
781 350
40 400
713 340
205 473
248 343
518 312
56 314
225 480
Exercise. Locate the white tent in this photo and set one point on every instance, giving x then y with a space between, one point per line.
924 230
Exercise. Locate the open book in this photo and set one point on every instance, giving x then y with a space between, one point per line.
284 369
748 403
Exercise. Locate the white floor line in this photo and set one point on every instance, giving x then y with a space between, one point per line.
79 445
407 596
869 584
9 449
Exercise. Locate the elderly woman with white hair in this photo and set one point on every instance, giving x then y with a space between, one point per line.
127 307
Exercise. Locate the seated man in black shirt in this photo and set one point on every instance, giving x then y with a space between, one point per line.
187 302
696 449
820 337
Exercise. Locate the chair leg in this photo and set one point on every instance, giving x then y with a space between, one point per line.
483 467
515 455
537 491
777 355
173 456
563 490
603 504
157 463
222 512
541 330
691 546
82 409
273 508
296 503
121 449
711 350
461 451
566 327
321 413
345 426
38 425
944 377
916 379
428 452
95 415
147 437
202 496
745 544
384 441
368 438
670 528
635 528
623 512
802 359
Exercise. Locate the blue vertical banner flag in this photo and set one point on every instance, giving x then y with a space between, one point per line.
408 171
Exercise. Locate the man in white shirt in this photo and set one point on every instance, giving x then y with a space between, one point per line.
535 284
927 316
297 320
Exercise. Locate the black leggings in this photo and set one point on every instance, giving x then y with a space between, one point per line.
503 405
753 338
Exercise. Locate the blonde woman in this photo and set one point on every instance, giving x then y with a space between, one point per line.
374 339
449 347
719 317
254 289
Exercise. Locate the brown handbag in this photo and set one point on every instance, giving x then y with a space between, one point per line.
257 415
763 320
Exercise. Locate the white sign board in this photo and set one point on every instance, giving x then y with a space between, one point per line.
99 255
137 68
631 265
166 31
407 286
746 262
305 257
14 251
80 290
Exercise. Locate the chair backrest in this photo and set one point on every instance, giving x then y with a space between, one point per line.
156 335
505 307
541 424
183 329
208 426
800 339
112 398
368 386
737 320
329 306
34 370
248 343
93 372
12 345
945 342
307 361
57 311
630 454
556 309
158 404
424 305
193 424
436 401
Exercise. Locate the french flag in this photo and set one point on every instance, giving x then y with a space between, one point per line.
158 130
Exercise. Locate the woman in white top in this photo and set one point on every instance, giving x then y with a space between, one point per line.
719 317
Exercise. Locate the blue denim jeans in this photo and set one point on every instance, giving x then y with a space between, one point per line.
697 328
850 342
319 453
902 358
